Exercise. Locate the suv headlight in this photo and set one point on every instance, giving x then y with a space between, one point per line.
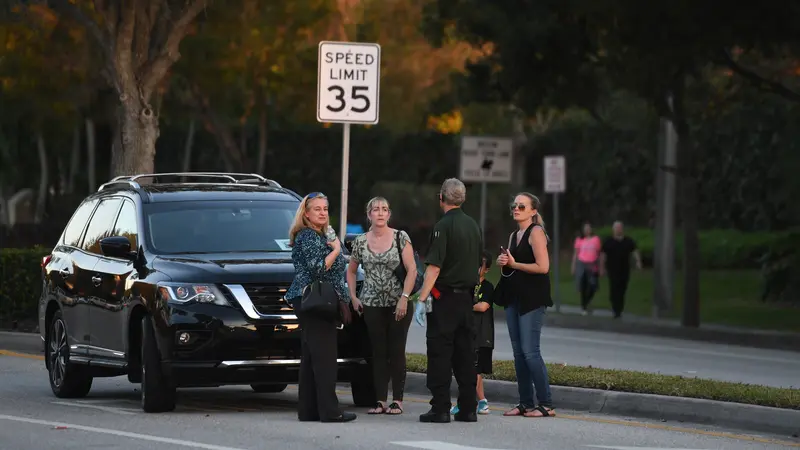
192 293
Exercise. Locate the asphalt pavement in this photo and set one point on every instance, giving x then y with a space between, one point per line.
669 356
235 418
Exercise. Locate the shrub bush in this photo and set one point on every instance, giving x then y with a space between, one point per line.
20 281
781 270
719 249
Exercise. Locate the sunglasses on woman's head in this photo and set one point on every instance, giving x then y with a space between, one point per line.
316 194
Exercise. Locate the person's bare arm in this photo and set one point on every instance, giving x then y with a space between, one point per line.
411 268
431 274
638 259
538 241
352 267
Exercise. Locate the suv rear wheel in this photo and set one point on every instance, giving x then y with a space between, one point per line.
67 380
158 390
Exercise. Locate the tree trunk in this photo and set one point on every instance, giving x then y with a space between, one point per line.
689 213
3 206
187 149
74 159
135 138
91 167
262 141
44 175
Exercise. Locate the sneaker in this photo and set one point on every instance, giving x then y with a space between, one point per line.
454 410
483 407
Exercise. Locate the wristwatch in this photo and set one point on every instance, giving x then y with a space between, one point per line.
405 295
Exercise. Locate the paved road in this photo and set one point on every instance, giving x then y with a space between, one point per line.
235 418
650 354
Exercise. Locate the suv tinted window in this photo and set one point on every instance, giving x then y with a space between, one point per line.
72 234
216 226
100 225
126 224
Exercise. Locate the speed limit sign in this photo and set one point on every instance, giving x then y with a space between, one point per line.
348 82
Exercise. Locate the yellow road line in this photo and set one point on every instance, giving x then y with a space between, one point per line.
719 434
21 355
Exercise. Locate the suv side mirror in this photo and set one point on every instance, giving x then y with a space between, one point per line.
117 246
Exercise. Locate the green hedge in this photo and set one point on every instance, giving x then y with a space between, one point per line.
719 249
20 281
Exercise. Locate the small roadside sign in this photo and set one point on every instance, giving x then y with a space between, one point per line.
486 159
555 174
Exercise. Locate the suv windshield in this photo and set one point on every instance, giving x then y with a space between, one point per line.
219 226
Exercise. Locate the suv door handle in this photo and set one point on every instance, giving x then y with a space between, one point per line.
96 280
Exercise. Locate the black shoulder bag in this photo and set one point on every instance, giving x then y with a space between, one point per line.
321 300
400 272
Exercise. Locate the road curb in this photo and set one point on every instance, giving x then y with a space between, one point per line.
659 407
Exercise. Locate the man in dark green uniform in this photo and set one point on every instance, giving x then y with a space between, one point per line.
450 278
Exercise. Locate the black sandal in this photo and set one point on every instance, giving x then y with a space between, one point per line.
379 407
546 412
522 411
394 406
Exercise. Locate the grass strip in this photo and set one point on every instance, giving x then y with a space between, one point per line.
644 383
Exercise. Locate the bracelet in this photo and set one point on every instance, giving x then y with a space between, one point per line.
404 295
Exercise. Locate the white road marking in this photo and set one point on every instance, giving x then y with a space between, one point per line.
112 409
639 448
143 437
438 445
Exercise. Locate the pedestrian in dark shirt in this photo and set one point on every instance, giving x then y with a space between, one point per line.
450 279
483 313
615 260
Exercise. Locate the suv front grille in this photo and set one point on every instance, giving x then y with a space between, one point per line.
268 298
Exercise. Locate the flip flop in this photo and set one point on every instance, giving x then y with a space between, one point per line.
546 412
378 409
521 411
394 406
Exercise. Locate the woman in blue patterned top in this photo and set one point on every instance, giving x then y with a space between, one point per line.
317 257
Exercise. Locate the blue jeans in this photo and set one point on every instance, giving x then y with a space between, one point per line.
526 332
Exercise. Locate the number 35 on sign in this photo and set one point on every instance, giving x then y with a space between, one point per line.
348 82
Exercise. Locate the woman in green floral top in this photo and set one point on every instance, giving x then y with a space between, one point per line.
384 300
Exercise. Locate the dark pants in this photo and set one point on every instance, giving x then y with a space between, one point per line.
618 285
318 370
388 339
588 282
450 352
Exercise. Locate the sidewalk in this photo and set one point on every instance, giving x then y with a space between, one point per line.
602 320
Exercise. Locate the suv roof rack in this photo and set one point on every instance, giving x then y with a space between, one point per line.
230 177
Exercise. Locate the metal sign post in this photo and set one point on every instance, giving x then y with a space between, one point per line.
348 92
555 182
485 160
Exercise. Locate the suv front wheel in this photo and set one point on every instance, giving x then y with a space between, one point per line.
158 390
67 380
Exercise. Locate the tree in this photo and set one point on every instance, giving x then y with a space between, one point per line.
138 42
563 52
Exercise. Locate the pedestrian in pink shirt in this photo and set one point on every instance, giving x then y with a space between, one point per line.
585 265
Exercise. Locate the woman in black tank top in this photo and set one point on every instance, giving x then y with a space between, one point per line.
526 269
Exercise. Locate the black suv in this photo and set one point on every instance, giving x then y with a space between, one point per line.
181 284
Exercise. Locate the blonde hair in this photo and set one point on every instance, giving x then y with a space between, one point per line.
375 200
300 220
